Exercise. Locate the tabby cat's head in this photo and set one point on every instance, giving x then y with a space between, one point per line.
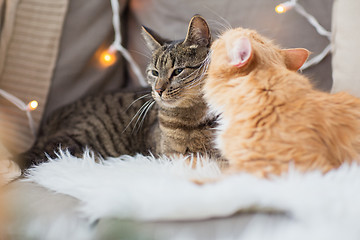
176 69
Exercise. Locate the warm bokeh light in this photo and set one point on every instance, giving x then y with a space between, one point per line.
284 7
280 9
33 105
107 58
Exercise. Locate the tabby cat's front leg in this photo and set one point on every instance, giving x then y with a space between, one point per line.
174 151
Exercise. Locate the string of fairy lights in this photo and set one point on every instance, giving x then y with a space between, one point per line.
27 108
293 4
109 57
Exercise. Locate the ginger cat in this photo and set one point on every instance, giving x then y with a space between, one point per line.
271 115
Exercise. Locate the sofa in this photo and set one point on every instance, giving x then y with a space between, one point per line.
50 52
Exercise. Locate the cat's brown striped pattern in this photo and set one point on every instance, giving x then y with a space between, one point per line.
106 124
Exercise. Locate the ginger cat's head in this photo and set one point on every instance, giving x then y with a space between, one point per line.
239 51
177 68
240 63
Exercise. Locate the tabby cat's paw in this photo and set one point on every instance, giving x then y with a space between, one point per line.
9 170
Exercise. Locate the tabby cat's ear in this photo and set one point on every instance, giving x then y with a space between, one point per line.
240 52
198 32
295 57
153 40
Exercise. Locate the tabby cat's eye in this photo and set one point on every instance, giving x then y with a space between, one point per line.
154 73
177 71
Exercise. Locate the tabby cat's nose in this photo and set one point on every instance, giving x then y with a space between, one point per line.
159 91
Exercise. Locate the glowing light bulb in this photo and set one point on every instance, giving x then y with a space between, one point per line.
33 105
107 58
280 9
283 7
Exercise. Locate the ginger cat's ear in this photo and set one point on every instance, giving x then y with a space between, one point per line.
295 57
240 51
153 40
198 32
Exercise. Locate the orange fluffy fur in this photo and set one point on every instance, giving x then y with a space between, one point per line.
271 115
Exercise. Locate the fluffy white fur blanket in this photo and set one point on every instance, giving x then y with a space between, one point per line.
146 188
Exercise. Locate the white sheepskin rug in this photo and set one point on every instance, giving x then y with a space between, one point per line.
145 188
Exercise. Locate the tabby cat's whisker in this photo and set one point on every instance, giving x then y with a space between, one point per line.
142 110
149 106
197 80
146 95
226 23
136 115
191 74
199 69
140 53
220 27
194 84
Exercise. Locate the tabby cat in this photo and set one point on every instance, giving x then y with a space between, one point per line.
127 123
272 116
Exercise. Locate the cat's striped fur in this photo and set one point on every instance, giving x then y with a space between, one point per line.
101 123
174 121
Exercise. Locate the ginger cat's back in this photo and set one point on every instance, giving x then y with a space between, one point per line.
272 115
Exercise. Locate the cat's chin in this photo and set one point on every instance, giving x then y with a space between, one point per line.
175 103
178 103
169 103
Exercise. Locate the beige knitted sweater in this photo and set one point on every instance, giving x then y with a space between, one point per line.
29 41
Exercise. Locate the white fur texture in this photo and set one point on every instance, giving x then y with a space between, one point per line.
146 188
